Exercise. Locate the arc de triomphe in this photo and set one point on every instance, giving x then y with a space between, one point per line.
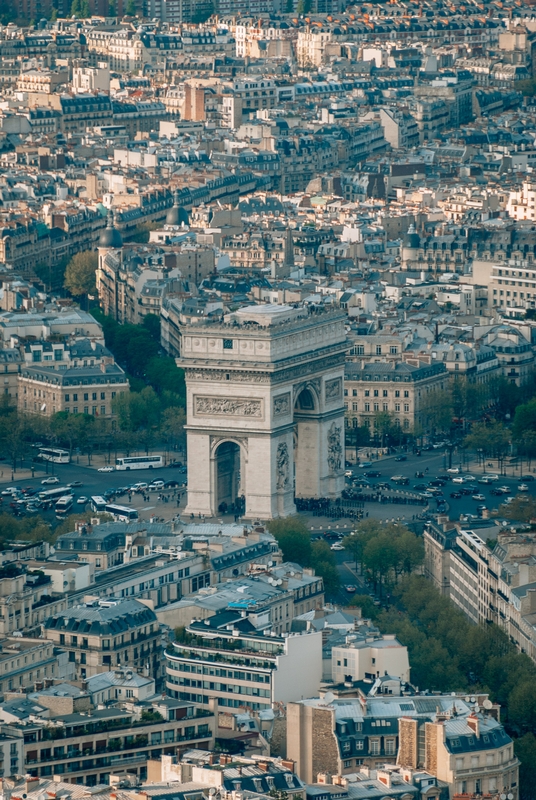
265 411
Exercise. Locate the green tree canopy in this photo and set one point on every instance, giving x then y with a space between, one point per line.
80 275
294 539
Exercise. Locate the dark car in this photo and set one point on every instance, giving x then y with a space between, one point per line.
527 478
496 492
401 458
420 487
455 495
170 484
373 473
437 482
175 464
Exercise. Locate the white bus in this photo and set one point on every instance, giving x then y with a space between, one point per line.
64 505
54 454
98 504
55 494
139 462
123 513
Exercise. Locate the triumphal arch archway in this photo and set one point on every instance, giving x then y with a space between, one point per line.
265 410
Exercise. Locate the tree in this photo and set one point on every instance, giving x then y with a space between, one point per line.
151 323
366 604
324 564
131 11
353 544
492 438
80 9
172 427
137 411
384 425
438 411
525 750
80 275
293 538
71 429
522 509
524 421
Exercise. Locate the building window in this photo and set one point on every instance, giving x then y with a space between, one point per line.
103 410
374 747
86 396
66 398
103 395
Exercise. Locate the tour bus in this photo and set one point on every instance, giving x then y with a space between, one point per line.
98 504
64 505
123 513
54 454
139 462
55 494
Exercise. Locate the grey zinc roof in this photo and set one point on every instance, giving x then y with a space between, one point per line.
101 620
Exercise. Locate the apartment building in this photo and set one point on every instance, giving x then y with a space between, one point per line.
359 660
473 754
86 748
338 736
489 586
266 775
238 661
104 634
81 386
133 284
25 661
273 594
26 599
398 388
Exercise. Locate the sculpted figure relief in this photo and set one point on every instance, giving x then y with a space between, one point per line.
282 466
334 448
228 406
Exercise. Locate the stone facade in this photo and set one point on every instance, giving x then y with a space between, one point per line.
265 415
